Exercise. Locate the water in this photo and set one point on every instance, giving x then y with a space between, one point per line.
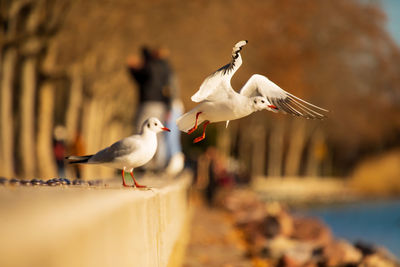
392 9
377 222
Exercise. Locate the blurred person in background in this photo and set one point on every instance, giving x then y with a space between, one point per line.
212 185
153 74
213 175
175 157
59 148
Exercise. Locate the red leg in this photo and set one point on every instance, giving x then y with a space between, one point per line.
198 139
123 179
136 183
195 124
272 106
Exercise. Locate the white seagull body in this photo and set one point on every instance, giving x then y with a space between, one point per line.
219 102
128 153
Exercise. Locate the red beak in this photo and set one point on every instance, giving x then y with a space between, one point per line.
165 129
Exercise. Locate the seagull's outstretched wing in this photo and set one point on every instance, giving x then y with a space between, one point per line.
217 85
282 100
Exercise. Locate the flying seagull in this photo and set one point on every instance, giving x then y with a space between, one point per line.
128 153
219 102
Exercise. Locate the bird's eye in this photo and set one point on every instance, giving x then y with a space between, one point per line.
262 101
148 125
155 124
255 101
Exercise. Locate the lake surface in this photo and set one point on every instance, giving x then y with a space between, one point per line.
377 222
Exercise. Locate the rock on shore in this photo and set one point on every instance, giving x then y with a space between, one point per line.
275 237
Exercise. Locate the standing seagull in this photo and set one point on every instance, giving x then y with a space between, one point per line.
219 102
128 153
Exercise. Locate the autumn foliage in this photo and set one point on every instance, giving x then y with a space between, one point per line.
336 54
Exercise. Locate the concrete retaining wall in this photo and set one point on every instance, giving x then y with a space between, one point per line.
70 226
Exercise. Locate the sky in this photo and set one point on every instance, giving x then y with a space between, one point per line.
392 8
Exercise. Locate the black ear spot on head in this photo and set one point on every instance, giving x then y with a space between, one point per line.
255 101
148 125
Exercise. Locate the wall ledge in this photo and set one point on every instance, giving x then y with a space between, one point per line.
103 226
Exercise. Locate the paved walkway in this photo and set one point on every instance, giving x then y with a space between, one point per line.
214 241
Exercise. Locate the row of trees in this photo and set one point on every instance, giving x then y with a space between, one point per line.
38 94
336 54
63 63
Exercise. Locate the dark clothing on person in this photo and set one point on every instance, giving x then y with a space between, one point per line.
152 79
212 185
59 149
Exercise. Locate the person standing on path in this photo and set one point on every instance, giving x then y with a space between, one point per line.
152 75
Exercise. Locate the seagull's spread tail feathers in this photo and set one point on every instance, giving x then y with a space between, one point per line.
188 120
78 159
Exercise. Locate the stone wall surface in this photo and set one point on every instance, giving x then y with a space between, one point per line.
100 226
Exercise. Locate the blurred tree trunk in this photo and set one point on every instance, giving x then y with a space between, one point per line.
27 109
74 105
106 124
1 92
92 130
73 115
297 140
46 163
317 153
259 150
276 148
244 148
88 123
7 123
